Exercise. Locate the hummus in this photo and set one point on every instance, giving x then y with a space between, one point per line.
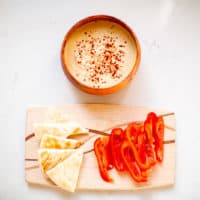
100 54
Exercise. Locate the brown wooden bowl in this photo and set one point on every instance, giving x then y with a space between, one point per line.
118 86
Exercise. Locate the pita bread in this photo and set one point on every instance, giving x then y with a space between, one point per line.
55 142
58 129
49 158
65 174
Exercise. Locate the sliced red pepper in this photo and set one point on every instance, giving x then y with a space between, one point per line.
141 142
132 132
156 125
101 155
149 126
131 164
109 155
159 139
150 153
136 149
149 129
116 139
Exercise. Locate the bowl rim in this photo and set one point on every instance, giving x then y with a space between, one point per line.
122 83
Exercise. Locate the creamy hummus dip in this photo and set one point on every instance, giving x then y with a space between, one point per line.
100 54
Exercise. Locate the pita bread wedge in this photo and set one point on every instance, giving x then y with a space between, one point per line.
55 142
65 174
58 129
49 158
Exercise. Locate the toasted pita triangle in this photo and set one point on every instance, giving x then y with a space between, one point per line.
65 174
58 129
55 142
49 158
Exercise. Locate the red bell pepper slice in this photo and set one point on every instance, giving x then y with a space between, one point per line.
132 132
102 158
116 139
155 132
131 164
141 146
149 128
109 155
159 139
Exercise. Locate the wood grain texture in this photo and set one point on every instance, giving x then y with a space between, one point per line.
102 117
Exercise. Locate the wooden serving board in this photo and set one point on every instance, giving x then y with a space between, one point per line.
102 117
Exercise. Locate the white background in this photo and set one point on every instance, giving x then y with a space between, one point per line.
31 33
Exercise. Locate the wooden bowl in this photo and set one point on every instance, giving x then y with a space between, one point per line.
103 90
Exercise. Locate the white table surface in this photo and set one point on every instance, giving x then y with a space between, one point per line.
31 33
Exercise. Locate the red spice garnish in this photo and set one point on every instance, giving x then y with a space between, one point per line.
103 57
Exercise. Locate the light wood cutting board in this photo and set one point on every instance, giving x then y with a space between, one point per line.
102 117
